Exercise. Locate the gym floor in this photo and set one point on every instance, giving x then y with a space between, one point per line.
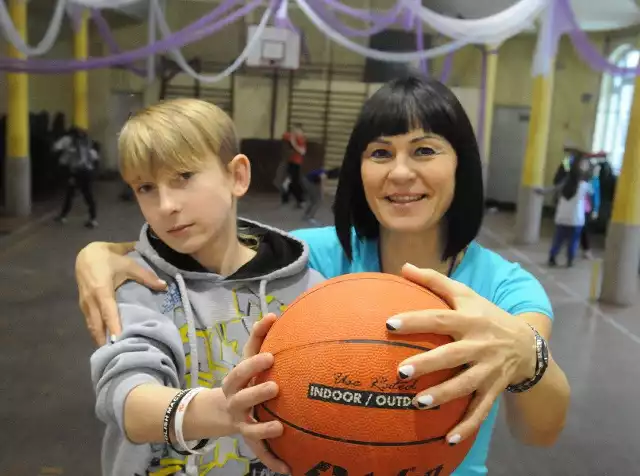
46 410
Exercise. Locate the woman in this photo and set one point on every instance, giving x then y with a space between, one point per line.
410 191
571 215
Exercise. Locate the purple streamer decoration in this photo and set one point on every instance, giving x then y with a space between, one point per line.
483 103
287 24
379 22
194 32
420 46
105 33
585 49
447 67
409 21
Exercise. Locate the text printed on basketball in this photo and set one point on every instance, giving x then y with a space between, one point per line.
362 398
382 383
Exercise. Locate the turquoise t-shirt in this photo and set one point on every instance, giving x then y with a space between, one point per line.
503 283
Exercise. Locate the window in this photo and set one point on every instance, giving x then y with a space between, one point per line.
614 108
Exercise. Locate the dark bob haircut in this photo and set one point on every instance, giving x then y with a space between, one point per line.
398 107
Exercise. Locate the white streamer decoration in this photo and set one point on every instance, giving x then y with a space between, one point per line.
490 30
180 60
546 46
282 13
377 54
12 35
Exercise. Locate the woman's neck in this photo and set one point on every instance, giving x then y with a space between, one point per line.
423 250
224 254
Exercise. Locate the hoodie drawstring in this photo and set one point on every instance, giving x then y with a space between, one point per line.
194 371
264 305
191 330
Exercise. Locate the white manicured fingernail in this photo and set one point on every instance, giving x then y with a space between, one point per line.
425 400
455 439
112 339
406 371
162 282
394 324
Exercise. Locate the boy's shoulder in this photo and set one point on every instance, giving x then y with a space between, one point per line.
132 292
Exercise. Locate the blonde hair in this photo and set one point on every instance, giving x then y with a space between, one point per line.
179 134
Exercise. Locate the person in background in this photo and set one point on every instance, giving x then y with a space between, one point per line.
298 142
570 211
592 200
314 183
592 206
79 160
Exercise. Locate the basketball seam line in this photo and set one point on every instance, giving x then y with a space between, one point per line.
353 442
338 281
355 341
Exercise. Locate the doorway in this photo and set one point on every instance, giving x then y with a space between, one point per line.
121 106
508 146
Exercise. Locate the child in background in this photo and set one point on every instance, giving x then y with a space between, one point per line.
297 141
314 184
158 384
79 159
570 210
592 207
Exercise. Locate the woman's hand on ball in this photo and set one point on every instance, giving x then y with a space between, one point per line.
497 349
242 395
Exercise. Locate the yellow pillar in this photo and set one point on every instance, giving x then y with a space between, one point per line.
18 167
489 102
529 212
622 248
80 78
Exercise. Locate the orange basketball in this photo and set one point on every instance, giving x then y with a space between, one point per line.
344 409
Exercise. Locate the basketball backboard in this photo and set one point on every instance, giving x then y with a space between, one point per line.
278 47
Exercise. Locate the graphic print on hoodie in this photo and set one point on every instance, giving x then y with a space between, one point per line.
191 336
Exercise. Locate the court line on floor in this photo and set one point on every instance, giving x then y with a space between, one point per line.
570 292
14 240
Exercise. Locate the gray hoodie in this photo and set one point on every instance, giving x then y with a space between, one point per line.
189 336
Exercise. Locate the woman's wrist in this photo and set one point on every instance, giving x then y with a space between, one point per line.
535 361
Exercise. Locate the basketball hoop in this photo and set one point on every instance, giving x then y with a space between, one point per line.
278 48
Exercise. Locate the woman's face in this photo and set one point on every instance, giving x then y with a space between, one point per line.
409 180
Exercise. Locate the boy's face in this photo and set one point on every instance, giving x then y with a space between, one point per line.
194 209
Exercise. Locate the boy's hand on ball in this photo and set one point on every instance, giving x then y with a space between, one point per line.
258 333
495 349
242 396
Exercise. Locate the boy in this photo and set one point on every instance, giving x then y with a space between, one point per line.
182 160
